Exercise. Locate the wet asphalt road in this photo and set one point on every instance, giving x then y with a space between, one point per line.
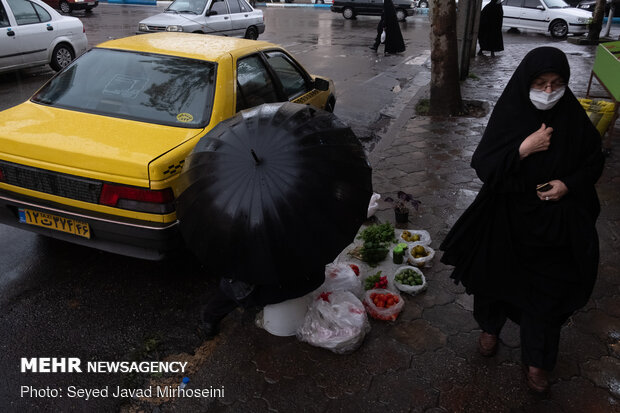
63 300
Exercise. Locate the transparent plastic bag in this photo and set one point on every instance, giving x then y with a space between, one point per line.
421 262
402 236
383 37
383 313
373 205
336 321
341 277
410 289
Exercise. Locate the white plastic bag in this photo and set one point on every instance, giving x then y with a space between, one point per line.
380 311
383 36
422 261
341 277
336 321
373 205
424 236
410 289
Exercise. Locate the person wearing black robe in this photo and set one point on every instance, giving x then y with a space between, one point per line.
394 42
380 28
490 29
526 254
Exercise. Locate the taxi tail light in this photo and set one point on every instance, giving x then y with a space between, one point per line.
137 199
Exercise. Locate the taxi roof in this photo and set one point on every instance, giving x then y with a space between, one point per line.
190 45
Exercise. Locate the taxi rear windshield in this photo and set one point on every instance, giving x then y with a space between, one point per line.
145 87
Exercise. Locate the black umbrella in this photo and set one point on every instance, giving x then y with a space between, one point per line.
273 194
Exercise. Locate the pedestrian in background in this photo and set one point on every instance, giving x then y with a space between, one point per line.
380 29
490 30
394 42
527 247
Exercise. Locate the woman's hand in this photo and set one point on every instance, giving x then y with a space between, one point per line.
554 194
537 142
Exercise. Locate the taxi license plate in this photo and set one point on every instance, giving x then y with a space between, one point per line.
41 219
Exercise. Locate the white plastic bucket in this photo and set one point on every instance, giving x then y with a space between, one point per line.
283 319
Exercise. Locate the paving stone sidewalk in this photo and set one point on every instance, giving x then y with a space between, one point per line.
426 361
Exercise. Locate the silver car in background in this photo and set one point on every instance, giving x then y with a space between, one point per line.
34 34
553 16
223 17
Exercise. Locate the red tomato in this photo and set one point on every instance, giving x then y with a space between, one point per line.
355 269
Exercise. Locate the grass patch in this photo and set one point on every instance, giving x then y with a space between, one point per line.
473 76
422 107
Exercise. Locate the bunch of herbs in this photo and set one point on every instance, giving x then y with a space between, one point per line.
376 242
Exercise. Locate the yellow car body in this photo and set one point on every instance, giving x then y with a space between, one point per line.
65 171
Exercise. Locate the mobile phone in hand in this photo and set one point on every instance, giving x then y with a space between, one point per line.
544 187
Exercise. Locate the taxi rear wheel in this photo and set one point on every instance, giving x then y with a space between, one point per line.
251 33
65 7
61 56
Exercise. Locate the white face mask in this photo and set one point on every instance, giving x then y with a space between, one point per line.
545 101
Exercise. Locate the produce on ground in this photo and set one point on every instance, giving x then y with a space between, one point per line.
377 239
409 277
410 236
375 281
355 269
419 251
383 304
384 300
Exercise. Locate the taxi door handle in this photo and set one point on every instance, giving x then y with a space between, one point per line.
10 32
50 28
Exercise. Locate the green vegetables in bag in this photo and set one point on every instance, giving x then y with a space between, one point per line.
376 242
408 277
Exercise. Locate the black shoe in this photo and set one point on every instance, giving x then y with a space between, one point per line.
480 53
373 48
492 54
210 329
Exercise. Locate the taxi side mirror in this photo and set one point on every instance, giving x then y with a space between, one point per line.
321 84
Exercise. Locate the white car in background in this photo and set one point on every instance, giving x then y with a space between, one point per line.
553 16
222 17
34 34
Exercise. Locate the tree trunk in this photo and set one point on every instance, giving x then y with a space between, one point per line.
610 17
594 30
445 89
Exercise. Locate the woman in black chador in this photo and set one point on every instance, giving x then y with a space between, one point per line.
526 254
490 30
394 42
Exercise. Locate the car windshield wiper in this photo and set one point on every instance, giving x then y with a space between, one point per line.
187 11
171 11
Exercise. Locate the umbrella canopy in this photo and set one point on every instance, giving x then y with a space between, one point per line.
273 194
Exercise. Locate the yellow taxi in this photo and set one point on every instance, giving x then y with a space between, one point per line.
94 156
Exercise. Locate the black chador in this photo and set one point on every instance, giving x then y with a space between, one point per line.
538 258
